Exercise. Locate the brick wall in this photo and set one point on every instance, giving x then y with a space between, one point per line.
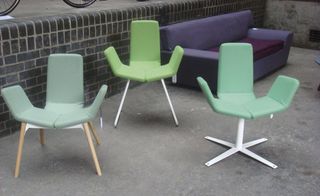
26 44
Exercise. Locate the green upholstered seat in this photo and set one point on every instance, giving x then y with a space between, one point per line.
22 109
236 97
249 107
65 95
64 103
145 62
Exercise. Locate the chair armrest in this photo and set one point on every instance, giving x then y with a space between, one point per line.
113 59
206 90
94 107
16 100
283 90
222 106
175 59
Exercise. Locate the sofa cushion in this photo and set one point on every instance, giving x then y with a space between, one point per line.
261 48
207 32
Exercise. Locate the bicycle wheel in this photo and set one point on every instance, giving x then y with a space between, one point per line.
79 3
7 6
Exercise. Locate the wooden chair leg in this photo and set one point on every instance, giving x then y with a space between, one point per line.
20 147
94 132
93 150
41 136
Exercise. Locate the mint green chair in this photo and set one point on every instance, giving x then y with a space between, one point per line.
236 97
64 107
145 62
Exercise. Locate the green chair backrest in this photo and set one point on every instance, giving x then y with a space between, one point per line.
145 41
65 79
235 74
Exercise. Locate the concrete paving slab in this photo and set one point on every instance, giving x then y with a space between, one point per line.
34 8
148 155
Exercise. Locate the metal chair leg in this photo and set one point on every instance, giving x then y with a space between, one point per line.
239 146
121 104
101 120
171 107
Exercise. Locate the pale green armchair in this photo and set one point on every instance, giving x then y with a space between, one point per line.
145 62
64 104
236 97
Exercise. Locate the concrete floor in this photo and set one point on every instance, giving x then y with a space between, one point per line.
148 155
34 8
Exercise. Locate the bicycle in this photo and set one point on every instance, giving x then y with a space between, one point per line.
7 6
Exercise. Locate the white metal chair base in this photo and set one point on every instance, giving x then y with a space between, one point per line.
239 147
124 96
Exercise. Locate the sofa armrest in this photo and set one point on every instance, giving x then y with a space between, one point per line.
204 54
270 34
258 33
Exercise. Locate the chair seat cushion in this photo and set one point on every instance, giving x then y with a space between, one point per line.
62 118
72 118
145 71
63 107
263 106
39 117
229 108
261 48
249 110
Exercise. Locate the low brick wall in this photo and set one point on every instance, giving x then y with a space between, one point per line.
26 44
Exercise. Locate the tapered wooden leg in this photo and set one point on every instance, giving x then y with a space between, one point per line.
93 150
41 136
94 132
20 147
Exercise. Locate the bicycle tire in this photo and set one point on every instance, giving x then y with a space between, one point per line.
79 3
7 7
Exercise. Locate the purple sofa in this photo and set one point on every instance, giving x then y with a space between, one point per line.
201 39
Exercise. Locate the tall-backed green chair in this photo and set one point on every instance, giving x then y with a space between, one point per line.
64 107
236 97
145 62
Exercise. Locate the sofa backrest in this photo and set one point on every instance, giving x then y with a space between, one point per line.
207 32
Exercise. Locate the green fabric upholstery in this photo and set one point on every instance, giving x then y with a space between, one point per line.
235 86
65 72
145 41
80 115
22 109
220 105
65 96
145 62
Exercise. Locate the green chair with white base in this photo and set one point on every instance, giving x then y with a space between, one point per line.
64 107
236 97
145 62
